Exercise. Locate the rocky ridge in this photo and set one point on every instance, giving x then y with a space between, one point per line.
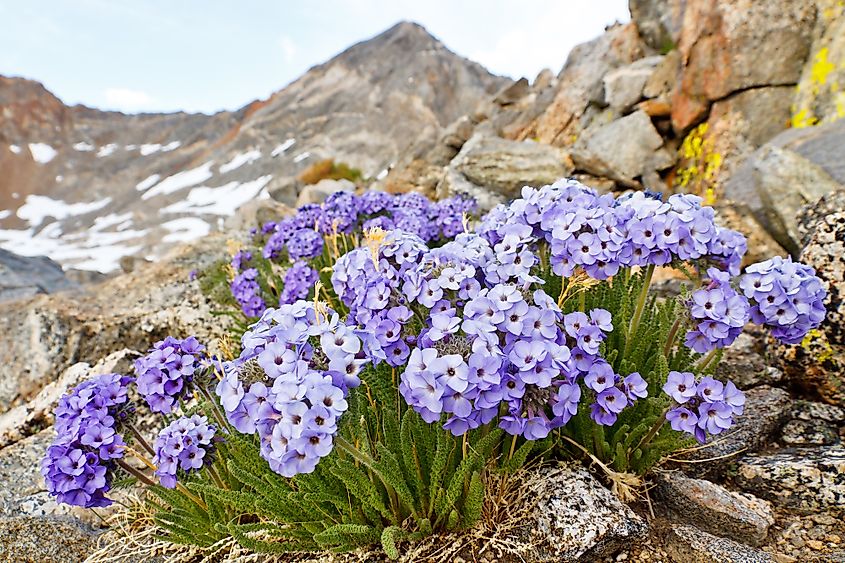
88 187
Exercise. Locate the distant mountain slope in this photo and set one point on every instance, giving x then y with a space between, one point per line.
85 186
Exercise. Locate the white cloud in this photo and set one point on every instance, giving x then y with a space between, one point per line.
127 99
545 39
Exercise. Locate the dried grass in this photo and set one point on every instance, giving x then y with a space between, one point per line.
498 536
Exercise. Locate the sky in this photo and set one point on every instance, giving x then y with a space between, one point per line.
211 55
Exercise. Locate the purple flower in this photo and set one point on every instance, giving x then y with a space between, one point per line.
680 386
682 420
635 387
79 464
787 297
167 372
187 444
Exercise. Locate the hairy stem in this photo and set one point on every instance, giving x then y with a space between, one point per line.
137 434
670 339
704 363
135 473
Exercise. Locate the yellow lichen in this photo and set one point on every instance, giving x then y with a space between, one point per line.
700 164
815 337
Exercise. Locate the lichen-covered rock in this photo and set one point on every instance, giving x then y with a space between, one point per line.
713 508
819 97
818 365
28 539
687 544
804 480
575 518
731 46
766 409
810 215
813 424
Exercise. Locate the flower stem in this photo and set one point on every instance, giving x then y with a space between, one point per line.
655 428
134 472
670 338
214 408
140 439
704 363
638 311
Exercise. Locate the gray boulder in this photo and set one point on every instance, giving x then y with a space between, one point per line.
687 544
805 480
22 276
575 518
317 193
714 509
795 168
601 151
623 87
503 167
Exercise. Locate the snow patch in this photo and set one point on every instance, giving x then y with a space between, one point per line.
173 145
104 222
181 180
151 181
5 213
42 153
149 149
240 159
106 150
282 148
59 178
383 174
15 149
93 251
39 207
82 146
301 156
185 229
223 200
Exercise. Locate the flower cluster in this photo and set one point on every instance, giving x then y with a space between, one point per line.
187 443
345 212
290 383
165 374
719 313
78 465
707 406
601 234
245 288
364 279
486 340
787 297
299 279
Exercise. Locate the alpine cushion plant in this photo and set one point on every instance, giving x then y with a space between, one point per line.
377 407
